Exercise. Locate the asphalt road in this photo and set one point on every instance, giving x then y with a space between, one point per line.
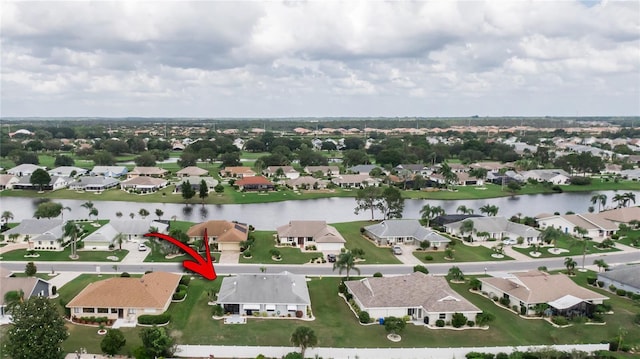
326 269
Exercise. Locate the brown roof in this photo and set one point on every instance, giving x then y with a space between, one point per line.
224 231
622 215
153 290
412 290
192 171
148 171
253 181
539 287
238 170
24 284
318 230
145 181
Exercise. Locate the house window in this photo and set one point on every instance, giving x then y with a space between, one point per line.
103 310
76 310
442 316
88 310
39 243
114 310
131 311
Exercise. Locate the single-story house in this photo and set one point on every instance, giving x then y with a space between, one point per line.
192 171
126 298
451 218
93 183
255 183
7 181
223 234
462 179
101 238
56 183
30 286
498 228
109 171
327 171
155 172
625 277
136 228
414 168
396 231
32 227
528 289
49 240
68 171
25 169
308 182
633 174
144 184
596 226
555 176
362 169
305 233
195 183
423 297
237 172
622 215
277 295
354 181
288 171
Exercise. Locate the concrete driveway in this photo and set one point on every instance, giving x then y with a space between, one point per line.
407 256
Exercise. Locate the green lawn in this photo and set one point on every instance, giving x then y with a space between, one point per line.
629 237
372 253
264 242
462 253
85 256
567 242
155 257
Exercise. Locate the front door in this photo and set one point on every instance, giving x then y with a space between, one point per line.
120 313
301 241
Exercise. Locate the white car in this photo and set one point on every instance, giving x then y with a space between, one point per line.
508 242
397 250
142 247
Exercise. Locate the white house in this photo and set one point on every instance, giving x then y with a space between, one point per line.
93 183
354 181
109 171
596 226
32 227
25 169
498 228
288 171
68 171
410 231
306 233
555 176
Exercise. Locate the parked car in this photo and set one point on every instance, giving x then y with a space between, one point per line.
508 242
331 258
397 250
142 247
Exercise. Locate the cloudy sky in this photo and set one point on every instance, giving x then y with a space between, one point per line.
320 58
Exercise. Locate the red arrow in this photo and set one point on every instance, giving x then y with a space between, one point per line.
200 266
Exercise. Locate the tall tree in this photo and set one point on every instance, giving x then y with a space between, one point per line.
489 209
156 342
346 261
447 174
6 216
159 213
48 210
88 205
112 342
203 191
600 199
429 212
38 331
30 269
187 191
570 264
72 230
93 212
368 198
464 209
304 337
143 213
601 264
392 203
40 178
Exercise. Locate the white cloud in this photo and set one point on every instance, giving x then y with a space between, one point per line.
319 58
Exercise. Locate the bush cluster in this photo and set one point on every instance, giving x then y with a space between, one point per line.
154 319
559 320
439 323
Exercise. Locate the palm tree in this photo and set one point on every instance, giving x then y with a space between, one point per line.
89 206
118 214
143 213
600 199
159 213
464 209
619 198
346 261
72 230
466 227
93 212
570 264
489 209
428 213
447 174
455 273
131 214
304 337
6 216
120 237
601 264
629 197
13 299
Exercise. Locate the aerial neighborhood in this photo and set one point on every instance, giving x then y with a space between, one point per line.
446 236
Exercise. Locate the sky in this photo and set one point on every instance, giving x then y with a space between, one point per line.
264 59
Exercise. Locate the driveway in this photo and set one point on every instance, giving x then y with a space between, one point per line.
407 256
134 255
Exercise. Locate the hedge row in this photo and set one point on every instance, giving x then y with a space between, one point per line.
154 319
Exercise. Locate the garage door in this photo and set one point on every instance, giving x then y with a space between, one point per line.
330 247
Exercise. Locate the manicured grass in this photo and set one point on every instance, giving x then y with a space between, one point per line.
372 253
264 242
629 237
155 257
41 275
181 225
85 256
575 247
283 194
462 253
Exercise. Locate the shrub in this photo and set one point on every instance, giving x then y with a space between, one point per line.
125 275
154 319
439 323
246 254
591 280
364 317
504 301
559 320
217 310
181 288
298 314
475 284
349 296
484 318
342 288
458 320
185 280
556 189
612 288
621 292
523 310
470 323
514 308
420 268
580 181
377 275
428 257
597 317
54 290
502 356
600 284
179 295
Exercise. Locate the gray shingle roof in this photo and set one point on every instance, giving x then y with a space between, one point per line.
104 234
405 228
629 275
34 226
93 180
281 288
136 226
498 225
412 290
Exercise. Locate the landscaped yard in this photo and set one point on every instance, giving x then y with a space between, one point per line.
156 257
335 325
629 237
265 242
462 253
372 253
85 256
574 247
